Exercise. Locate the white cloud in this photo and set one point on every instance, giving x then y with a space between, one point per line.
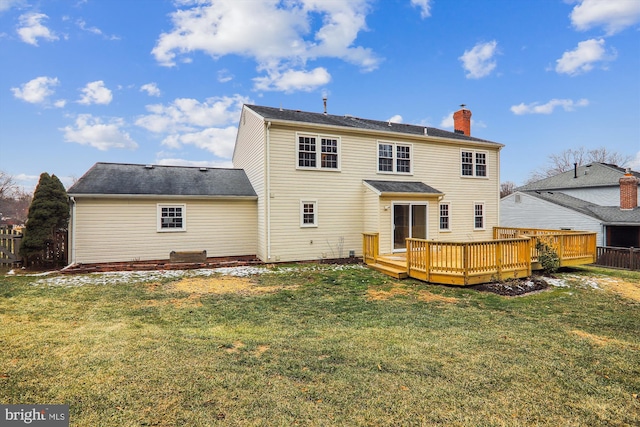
292 80
396 119
479 61
151 89
8 4
94 30
90 130
613 15
60 103
219 141
187 115
36 91
424 6
208 125
227 27
549 107
31 29
95 93
583 57
224 76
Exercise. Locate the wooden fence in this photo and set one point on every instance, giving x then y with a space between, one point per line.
10 239
627 258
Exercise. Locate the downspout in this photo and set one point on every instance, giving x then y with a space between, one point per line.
73 231
268 192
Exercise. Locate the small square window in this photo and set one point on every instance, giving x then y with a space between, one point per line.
171 218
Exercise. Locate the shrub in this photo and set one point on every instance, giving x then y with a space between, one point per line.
547 257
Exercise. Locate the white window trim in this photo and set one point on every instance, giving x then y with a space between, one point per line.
445 230
315 213
159 207
473 164
395 158
484 216
318 152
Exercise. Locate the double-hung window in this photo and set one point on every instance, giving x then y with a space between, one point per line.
171 218
445 221
394 158
478 216
308 213
318 152
473 163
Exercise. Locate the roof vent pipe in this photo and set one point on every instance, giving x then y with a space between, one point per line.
575 170
324 101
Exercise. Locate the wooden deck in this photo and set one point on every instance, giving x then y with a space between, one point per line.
470 263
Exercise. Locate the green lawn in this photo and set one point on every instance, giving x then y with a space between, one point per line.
320 346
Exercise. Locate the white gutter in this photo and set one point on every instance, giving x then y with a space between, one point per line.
73 231
268 192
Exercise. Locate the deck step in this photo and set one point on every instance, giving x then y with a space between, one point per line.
393 271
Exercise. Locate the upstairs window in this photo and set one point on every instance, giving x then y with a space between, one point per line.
171 218
316 152
394 158
473 163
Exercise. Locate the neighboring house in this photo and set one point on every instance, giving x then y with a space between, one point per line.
597 197
322 180
308 185
123 212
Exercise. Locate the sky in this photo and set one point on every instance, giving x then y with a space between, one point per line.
163 81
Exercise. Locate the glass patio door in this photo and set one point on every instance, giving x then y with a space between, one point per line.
409 220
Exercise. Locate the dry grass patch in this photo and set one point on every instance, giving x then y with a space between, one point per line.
602 341
621 287
399 289
223 285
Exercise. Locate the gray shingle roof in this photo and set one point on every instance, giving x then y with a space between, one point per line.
131 179
591 175
271 113
402 187
610 215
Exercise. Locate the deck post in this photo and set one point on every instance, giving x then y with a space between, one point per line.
499 259
427 259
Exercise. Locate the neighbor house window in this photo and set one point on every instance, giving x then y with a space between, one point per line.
308 213
444 217
478 216
394 158
171 218
473 163
318 152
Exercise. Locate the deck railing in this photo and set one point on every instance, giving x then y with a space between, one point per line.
466 263
512 253
370 247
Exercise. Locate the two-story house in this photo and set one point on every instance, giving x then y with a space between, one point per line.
317 183
322 180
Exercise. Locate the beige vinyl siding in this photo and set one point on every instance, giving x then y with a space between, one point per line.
250 155
110 230
342 201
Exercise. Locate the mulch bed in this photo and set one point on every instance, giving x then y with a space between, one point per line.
514 287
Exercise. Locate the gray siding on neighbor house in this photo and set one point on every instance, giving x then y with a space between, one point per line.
523 210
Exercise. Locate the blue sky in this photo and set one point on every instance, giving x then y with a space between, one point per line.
163 81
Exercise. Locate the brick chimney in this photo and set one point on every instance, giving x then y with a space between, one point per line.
628 191
462 121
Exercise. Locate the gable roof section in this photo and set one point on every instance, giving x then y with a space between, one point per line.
109 179
402 187
350 122
609 215
591 175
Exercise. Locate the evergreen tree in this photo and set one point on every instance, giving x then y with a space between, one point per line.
48 212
